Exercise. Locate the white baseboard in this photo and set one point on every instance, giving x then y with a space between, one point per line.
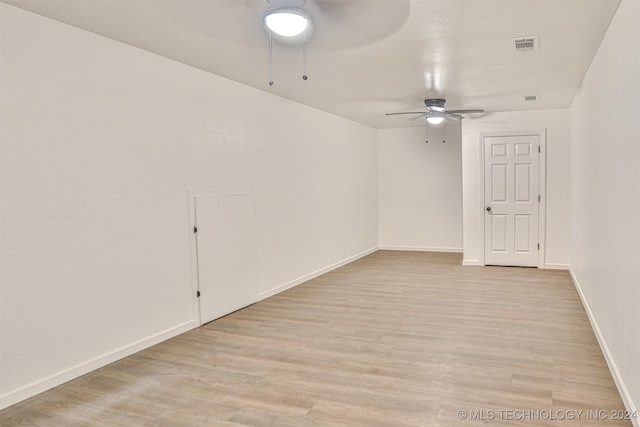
549 265
611 363
419 249
55 380
556 266
295 282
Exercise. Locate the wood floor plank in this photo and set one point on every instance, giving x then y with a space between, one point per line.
393 339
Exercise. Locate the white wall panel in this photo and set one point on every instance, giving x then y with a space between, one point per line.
605 225
420 189
558 203
100 144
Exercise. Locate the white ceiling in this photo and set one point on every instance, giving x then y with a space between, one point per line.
368 57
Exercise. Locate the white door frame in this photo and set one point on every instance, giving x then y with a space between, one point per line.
542 188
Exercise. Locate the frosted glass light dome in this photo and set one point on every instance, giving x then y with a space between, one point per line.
286 22
435 120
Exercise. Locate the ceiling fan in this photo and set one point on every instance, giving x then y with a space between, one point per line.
436 112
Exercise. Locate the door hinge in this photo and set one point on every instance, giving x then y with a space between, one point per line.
538 246
198 294
539 151
538 198
195 229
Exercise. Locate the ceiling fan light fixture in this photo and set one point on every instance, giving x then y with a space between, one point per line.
288 25
287 22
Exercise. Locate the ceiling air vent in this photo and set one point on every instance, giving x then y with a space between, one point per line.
531 98
526 44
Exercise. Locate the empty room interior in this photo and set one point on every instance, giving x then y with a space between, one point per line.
320 212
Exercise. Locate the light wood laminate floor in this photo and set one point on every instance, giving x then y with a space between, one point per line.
393 339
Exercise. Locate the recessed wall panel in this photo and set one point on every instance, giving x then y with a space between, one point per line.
523 149
523 183
499 150
499 233
522 239
499 183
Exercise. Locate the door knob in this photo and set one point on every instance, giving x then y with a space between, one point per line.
489 209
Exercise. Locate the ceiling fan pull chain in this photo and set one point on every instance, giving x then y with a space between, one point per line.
270 59
304 55
443 131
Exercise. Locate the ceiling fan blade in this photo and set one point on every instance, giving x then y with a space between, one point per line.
336 18
477 111
409 112
453 116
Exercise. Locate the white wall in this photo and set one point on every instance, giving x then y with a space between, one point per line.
100 144
420 184
605 168
558 201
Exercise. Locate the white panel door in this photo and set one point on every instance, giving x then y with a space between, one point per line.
225 241
511 200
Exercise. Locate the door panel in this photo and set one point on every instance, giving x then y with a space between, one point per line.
522 241
523 149
226 254
523 183
511 198
498 183
499 150
499 233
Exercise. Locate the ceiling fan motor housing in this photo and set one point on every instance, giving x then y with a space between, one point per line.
434 104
